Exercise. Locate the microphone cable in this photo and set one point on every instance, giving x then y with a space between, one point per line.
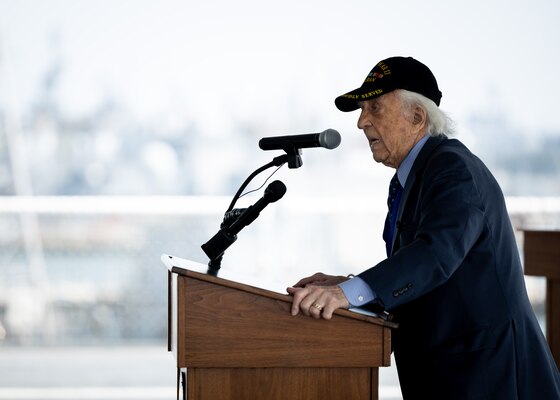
260 187
277 161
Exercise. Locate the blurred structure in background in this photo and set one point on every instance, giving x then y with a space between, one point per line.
96 278
126 128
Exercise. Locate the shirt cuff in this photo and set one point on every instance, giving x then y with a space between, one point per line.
357 292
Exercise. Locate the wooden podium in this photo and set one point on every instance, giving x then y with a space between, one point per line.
238 341
542 258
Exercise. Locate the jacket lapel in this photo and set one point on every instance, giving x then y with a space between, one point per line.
418 165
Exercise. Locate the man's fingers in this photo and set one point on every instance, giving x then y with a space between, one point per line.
329 310
291 290
330 299
315 278
317 301
316 309
298 295
303 300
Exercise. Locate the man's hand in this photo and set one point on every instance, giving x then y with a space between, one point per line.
321 279
317 301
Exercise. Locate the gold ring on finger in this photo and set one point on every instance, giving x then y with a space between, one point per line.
317 306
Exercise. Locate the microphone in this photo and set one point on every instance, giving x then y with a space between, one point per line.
274 192
226 236
329 139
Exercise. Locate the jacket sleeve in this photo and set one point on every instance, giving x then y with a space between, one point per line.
447 221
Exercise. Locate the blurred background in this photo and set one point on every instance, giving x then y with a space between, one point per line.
126 127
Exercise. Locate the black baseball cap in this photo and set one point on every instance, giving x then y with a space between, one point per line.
391 74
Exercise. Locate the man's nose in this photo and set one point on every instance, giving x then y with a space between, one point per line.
363 121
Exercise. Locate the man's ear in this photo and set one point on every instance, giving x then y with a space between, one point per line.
419 117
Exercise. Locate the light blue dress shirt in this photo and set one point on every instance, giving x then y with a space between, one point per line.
356 290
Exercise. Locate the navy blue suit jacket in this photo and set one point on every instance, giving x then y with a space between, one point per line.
455 285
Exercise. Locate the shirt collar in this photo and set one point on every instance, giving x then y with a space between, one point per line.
406 165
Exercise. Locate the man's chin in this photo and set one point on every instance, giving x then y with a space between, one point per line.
380 160
386 162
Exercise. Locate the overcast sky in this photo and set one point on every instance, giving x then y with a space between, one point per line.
216 61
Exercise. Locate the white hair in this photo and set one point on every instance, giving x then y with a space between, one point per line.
437 121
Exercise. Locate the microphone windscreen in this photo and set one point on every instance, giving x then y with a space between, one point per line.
275 191
329 139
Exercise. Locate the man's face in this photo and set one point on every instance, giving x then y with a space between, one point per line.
390 131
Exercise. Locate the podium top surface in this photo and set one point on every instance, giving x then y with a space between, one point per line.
181 266
246 283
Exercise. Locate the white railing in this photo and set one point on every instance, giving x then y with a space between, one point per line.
67 256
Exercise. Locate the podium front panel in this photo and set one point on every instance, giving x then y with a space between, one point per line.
282 383
225 326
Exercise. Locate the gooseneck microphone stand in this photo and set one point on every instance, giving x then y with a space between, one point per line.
216 246
276 162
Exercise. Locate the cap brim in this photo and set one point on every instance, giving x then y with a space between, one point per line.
348 101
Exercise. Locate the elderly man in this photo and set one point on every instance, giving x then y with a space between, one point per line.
453 278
